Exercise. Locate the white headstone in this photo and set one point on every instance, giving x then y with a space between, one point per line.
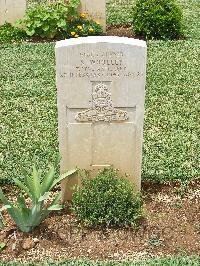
101 91
11 10
96 10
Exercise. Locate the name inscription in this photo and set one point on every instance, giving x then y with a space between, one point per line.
109 64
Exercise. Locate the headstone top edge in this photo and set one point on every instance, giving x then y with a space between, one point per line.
101 39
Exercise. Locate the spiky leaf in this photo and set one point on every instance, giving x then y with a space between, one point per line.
22 186
63 176
56 207
36 182
45 196
48 181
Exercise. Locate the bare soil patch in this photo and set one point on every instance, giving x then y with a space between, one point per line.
171 227
120 30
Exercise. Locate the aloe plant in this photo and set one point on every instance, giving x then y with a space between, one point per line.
38 189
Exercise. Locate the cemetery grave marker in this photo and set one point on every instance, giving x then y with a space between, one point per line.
11 10
101 91
96 10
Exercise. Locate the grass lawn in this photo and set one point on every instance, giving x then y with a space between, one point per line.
28 112
181 261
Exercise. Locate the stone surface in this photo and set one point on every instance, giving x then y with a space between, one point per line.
29 243
95 10
101 90
11 10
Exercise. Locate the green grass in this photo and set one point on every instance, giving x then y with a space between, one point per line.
171 133
181 261
120 11
191 18
28 112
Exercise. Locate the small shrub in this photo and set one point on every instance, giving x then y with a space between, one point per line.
10 34
106 200
157 19
38 189
49 20
58 20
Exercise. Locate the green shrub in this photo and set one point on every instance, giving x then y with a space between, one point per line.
38 189
10 34
58 20
106 200
157 19
49 20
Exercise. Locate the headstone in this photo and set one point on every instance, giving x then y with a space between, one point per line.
101 91
11 10
96 10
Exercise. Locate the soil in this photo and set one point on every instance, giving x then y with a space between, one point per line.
120 30
171 226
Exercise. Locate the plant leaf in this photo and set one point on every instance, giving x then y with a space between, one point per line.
12 210
55 200
47 181
21 217
56 207
36 182
21 185
45 196
63 176
29 184
36 215
2 246
1 220
5 207
61 23
4 199
21 202
30 32
32 184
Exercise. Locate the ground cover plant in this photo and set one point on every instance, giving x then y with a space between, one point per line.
9 34
180 261
116 14
29 113
107 200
